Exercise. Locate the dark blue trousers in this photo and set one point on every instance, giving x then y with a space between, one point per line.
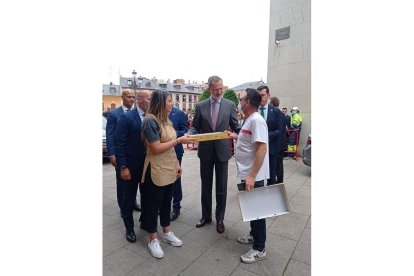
127 194
258 227
177 192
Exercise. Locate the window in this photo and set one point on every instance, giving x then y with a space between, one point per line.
112 90
184 99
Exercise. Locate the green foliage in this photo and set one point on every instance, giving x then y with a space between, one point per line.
204 95
230 95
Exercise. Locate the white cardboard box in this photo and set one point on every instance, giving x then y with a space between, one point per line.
263 202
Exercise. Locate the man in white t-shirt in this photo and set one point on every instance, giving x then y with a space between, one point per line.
252 160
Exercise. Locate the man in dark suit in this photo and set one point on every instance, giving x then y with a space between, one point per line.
214 114
128 100
277 133
130 154
180 122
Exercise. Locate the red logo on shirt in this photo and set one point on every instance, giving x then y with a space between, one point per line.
245 131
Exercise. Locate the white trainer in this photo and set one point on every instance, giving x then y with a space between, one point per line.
245 239
171 239
155 249
253 256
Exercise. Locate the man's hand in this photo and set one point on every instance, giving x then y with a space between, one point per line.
234 135
125 174
112 158
249 183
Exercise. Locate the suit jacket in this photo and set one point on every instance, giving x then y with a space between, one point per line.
180 123
276 128
112 119
129 148
227 117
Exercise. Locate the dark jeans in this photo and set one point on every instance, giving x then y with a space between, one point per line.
177 192
258 227
159 202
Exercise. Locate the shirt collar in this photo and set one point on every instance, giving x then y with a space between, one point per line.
140 111
219 100
124 108
265 106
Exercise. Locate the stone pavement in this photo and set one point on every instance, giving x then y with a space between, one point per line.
204 251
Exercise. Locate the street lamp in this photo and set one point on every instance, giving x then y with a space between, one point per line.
134 73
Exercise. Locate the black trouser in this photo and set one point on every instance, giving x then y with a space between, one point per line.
272 169
279 167
158 202
206 172
127 194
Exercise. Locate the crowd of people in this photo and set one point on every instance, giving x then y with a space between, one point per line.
144 141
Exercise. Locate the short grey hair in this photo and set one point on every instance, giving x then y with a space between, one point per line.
213 79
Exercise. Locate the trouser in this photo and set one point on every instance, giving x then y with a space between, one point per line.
279 167
206 172
159 202
177 192
127 193
272 169
258 227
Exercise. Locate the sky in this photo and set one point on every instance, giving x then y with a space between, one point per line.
188 40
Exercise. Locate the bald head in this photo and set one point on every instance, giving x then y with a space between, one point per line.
143 99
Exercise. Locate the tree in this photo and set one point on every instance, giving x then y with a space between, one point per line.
230 95
204 95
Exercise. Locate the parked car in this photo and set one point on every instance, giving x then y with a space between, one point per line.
104 150
306 155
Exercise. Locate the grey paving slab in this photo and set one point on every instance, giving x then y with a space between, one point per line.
175 260
110 207
301 202
290 226
120 262
309 224
302 251
113 239
111 220
221 258
242 272
296 268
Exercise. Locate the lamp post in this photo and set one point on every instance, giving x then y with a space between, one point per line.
134 73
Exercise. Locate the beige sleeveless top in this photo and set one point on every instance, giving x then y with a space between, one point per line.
163 165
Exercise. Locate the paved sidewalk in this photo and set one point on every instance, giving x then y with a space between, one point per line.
204 251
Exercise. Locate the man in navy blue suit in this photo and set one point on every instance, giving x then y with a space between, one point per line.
180 122
128 100
130 155
275 125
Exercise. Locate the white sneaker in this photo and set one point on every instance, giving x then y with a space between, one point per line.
245 240
253 256
171 239
155 249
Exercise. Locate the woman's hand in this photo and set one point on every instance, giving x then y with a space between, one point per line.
178 170
186 139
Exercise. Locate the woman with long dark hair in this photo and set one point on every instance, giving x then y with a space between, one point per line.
161 169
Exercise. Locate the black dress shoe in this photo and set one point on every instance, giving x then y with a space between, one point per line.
203 222
175 214
220 226
130 236
137 207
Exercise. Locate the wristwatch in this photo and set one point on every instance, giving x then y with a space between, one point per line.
124 167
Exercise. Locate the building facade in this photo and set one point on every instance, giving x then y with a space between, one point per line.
289 57
184 95
240 90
